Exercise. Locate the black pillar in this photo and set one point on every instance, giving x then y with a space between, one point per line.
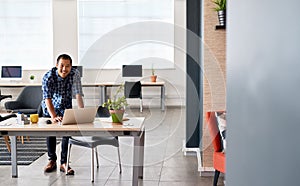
194 100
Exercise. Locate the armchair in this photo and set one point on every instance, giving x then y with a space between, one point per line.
218 154
27 102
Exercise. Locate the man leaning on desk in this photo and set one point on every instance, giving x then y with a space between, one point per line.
59 85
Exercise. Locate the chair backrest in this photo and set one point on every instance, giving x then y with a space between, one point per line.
31 97
133 89
211 121
102 112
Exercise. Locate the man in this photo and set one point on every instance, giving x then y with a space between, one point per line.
59 85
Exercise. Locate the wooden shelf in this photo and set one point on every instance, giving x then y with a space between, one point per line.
219 27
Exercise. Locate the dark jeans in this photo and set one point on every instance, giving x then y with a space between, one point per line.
51 145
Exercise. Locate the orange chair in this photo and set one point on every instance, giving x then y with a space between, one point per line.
218 155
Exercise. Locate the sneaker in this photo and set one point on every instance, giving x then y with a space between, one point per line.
51 166
63 169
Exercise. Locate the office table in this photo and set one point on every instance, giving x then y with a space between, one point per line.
105 85
103 88
134 127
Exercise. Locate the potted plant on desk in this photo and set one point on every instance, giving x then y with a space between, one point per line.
116 106
31 77
153 76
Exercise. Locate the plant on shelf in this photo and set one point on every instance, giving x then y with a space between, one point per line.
153 76
221 9
116 105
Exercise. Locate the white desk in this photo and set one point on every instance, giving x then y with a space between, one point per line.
103 88
98 128
105 85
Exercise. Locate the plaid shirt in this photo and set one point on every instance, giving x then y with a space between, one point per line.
60 90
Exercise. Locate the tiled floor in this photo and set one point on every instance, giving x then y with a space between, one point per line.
164 165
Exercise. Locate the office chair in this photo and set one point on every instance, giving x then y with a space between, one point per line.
134 90
4 96
93 142
218 154
6 138
27 102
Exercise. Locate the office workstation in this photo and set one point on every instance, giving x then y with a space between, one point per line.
11 77
136 130
93 52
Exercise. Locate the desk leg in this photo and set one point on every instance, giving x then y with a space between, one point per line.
138 158
162 98
14 158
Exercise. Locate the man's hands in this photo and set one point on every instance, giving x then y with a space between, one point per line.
56 119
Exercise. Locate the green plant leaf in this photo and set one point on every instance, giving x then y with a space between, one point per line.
117 102
220 5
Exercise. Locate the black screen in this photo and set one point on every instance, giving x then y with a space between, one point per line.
11 72
132 71
79 68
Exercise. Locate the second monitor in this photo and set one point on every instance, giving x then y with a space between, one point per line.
132 71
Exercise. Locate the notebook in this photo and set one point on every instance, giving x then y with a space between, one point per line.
80 115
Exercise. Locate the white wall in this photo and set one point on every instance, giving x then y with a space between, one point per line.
65 29
263 93
65 41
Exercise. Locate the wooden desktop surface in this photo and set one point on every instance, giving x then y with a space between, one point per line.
100 124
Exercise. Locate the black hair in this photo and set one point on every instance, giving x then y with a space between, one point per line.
64 56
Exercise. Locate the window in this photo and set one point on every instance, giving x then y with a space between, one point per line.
26 33
113 33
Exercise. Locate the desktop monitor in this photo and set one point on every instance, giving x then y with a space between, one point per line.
11 72
132 71
79 68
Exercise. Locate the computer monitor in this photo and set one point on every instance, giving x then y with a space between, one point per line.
11 72
79 68
132 71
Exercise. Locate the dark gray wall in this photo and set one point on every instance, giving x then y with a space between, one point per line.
263 90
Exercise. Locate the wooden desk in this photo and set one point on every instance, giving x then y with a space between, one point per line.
103 88
134 127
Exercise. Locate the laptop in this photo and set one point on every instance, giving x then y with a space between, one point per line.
79 115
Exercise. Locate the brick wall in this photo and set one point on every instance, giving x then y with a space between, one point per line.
214 88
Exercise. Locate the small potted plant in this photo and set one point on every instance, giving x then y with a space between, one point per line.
116 106
221 9
31 77
153 76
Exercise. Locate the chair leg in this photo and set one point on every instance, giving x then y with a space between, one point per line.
141 105
216 177
97 160
6 139
68 157
119 160
92 165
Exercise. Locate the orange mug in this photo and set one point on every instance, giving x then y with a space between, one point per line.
34 118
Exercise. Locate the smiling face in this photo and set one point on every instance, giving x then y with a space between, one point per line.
64 67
